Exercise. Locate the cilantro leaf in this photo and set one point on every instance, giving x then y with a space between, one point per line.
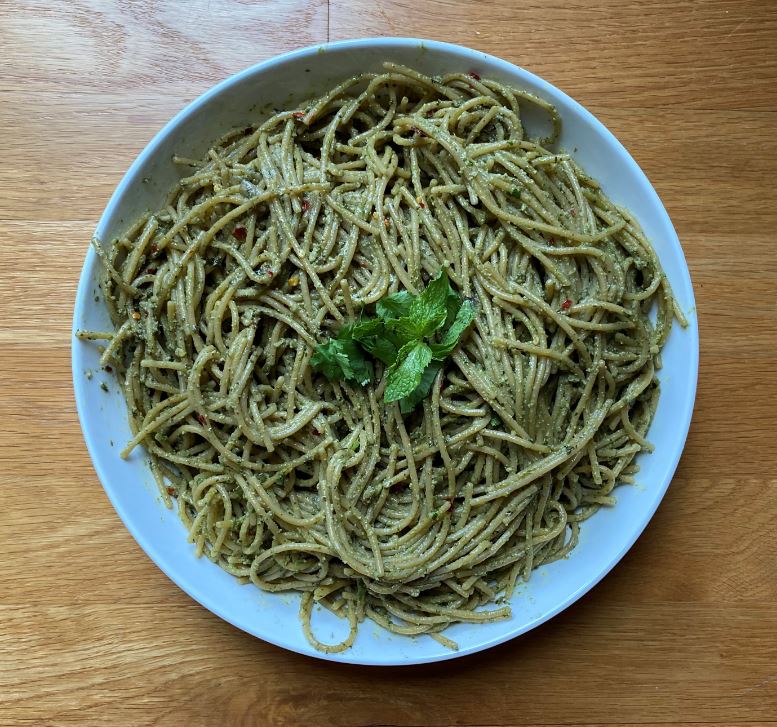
405 374
414 398
396 305
465 315
341 358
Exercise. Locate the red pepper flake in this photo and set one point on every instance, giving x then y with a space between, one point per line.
170 491
418 132
240 233
270 273
316 433
566 305
154 248
109 369
474 75
201 419
150 271
552 240
421 204
305 205
299 115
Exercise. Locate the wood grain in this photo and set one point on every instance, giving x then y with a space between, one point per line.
683 631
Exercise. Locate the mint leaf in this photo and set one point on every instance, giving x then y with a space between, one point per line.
341 359
396 305
429 309
452 305
405 375
381 347
371 334
414 398
405 330
362 328
465 315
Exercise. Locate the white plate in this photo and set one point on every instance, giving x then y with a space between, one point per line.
278 82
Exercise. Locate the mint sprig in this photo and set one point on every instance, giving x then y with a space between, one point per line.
410 334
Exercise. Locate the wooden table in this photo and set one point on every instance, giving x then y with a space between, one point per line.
685 628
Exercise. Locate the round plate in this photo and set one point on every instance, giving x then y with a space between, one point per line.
604 538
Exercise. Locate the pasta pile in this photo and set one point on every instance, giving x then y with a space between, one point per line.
292 229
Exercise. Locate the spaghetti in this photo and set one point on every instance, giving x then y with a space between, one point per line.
290 230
